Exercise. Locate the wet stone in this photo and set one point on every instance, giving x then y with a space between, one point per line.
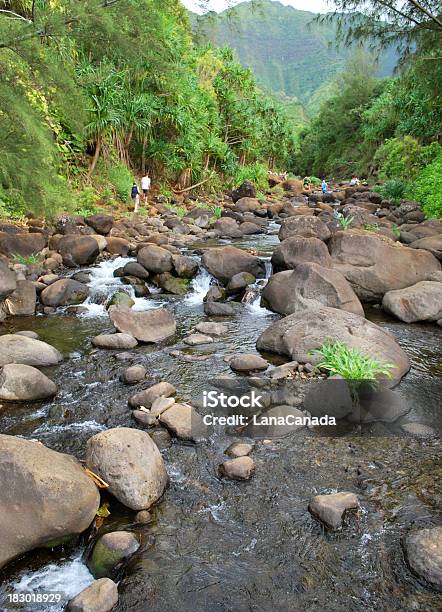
239 449
331 508
240 468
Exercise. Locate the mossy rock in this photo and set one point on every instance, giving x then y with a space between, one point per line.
110 550
120 298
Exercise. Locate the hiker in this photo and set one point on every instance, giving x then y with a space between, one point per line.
145 186
354 181
306 183
324 186
135 195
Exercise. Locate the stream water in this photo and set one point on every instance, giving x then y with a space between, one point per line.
214 545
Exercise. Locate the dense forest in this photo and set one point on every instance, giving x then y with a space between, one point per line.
391 128
95 92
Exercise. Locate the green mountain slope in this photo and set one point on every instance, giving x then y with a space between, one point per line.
289 53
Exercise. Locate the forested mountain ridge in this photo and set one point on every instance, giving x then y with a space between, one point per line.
287 50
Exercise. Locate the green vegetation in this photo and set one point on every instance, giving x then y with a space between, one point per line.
394 190
95 93
371 227
351 364
427 188
27 260
291 54
345 222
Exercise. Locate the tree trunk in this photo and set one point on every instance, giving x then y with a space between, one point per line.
95 157
143 155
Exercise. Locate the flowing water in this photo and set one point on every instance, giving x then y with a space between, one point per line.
214 545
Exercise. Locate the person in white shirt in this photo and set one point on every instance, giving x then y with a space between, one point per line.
145 186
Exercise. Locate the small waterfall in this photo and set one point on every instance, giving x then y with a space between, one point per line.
200 286
69 578
252 296
103 284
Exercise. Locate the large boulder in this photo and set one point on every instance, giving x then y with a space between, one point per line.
155 259
185 267
297 250
100 596
102 224
227 227
15 348
78 250
423 552
153 325
63 292
374 265
433 244
298 335
308 227
117 246
8 282
46 497
20 383
172 284
309 286
130 463
225 262
246 190
21 244
247 205
23 300
420 302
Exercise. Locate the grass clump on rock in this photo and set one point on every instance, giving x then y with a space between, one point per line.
351 364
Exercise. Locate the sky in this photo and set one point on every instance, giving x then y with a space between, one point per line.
315 6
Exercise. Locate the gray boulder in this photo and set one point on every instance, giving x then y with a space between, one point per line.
297 250
147 397
185 423
110 550
151 326
305 226
309 286
16 348
7 280
423 551
46 497
155 259
23 300
114 341
130 463
298 335
78 250
20 382
225 262
420 302
63 292
100 596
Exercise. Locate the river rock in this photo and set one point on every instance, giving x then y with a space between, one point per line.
114 341
130 463
308 287
331 508
433 244
239 449
185 267
420 302
160 405
221 309
64 292
248 363
307 227
423 551
110 550
227 227
212 329
147 397
102 224
297 250
247 204
297 335
78 250
240 468
28 333
16 348
225 262
185 423
133 268
361 257
153 325
8 281
46 496
20 382
120 298
155 259
133 374
172 284
23 300
246 190
239 282
420 430
196 339
21 244
249 228
100 596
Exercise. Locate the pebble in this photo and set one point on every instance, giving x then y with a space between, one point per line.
240 468
420 430
331 508
133 374
239 449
